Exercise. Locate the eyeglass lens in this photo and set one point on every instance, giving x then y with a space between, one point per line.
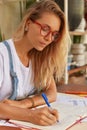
46 30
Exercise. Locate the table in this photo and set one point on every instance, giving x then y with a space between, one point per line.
77 69
9 128
72 88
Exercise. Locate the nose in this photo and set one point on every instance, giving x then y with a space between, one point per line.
48 37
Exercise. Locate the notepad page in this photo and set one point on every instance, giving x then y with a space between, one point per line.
68 114
5 123
72 99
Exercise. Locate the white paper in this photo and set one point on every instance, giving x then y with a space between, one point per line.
5 123
67 116
72 99
69 112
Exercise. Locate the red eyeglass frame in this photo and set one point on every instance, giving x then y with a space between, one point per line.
41 27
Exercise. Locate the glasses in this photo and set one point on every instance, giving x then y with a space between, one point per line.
45 30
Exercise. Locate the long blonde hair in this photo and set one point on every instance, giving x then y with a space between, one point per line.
52 59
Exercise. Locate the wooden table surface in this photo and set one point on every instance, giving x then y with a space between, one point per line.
9 128
72 88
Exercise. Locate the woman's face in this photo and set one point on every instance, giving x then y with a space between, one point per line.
43 31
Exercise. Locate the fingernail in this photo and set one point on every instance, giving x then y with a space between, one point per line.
57 121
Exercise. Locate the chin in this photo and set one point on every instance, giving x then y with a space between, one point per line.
40 49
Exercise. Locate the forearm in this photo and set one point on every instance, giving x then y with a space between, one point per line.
11 112
37 100
38 116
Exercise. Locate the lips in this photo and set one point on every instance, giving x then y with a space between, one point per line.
43 44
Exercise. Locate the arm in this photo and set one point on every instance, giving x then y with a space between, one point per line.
51 93
36 100
40 116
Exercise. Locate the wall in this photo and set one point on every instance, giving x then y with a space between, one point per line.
10 16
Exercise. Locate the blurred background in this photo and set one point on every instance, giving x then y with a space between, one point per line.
11 13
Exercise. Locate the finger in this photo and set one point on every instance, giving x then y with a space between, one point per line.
55 113
43 122
48 119
52 117
48 116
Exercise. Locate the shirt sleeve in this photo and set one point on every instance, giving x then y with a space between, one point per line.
1 69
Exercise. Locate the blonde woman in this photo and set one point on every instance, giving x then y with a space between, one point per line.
37 51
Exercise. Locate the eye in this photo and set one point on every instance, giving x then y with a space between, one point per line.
56 34
45 28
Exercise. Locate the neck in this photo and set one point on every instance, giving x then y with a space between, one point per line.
22 48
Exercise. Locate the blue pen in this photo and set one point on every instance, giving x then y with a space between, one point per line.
46 100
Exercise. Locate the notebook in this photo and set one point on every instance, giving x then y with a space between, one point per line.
71 108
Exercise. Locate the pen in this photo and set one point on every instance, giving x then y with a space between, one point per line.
46 101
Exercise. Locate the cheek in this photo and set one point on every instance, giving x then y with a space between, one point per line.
33 34
33 38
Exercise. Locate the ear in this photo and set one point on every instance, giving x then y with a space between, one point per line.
27 25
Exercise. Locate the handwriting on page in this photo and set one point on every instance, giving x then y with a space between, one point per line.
72 99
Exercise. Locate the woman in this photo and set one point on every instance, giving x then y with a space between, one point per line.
38 50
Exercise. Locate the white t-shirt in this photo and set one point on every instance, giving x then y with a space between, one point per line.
24 74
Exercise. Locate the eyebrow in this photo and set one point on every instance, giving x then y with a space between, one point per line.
44 24
50 27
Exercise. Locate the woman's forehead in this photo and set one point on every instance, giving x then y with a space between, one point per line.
50 19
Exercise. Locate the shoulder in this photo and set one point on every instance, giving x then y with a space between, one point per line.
3 49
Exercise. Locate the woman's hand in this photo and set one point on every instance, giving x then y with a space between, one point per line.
40 116
44 116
